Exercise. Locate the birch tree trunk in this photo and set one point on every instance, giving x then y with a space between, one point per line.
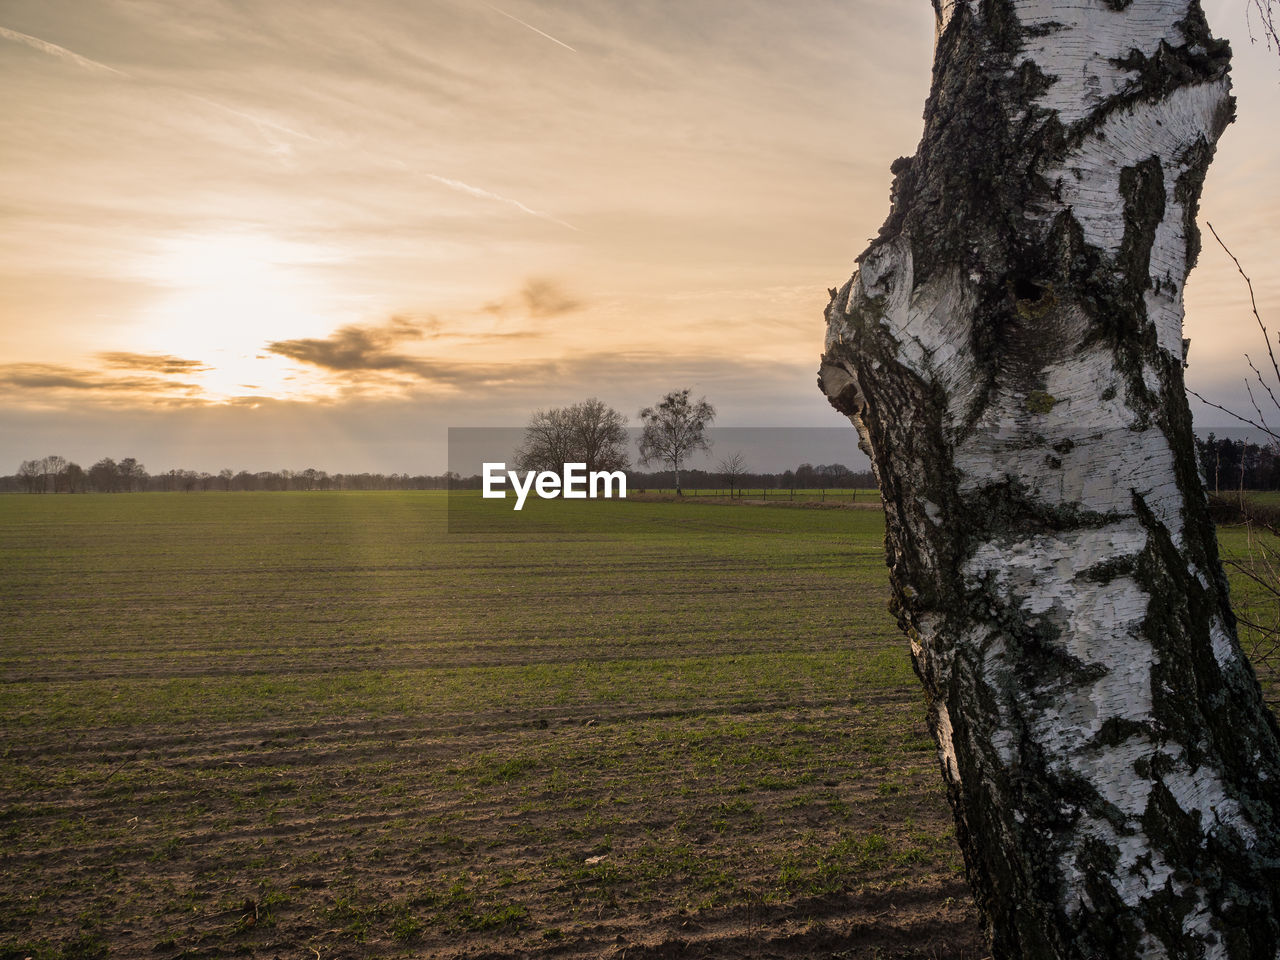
1010 350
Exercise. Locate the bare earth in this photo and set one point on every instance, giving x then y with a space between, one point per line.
229 739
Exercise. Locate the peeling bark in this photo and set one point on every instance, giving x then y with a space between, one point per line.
1010 350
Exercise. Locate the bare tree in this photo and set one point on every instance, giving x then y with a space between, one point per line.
601 436
53 467
589 432
31 475
104 476
732 468
1010 350
132 475
72 479
548 440
675 428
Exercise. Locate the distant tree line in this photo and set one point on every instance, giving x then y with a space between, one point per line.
1238 464
833 476
589 432
55 474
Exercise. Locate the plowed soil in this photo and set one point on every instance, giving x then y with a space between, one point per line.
322 725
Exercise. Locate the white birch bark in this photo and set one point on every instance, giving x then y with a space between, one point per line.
1010 350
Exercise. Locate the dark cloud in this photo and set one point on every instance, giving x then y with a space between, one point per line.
152 362
379 348
359 349
52 377
46 376
363 350
431 327
356 356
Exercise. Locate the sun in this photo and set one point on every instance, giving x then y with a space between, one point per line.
222 297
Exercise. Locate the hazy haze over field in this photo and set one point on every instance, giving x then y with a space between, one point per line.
316 233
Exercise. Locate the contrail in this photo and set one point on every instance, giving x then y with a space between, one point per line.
530 26
44 46
488 195
258 122
263 125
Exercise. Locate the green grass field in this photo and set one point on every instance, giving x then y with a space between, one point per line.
395 724
300 724
833 495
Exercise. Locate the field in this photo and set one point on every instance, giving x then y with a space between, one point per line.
368 725
376 725
324 725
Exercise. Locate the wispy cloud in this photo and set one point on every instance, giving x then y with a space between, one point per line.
352 353
490 195
62 53
265 127
370 361
42 381
152 362
268 128
540 298
530 26
546 298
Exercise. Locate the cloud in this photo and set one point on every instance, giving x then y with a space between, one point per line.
62 53
360 349
356 357
365 349
540 298
153 362
40 381
545 298
354 353
403 431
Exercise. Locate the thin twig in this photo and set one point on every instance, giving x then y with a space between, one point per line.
1218 406
1265 386
1253 302
1270 33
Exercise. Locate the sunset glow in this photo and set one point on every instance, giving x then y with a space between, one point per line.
407 217
226 295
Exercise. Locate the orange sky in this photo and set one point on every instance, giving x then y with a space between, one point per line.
311 233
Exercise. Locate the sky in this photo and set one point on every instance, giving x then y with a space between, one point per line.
285 234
